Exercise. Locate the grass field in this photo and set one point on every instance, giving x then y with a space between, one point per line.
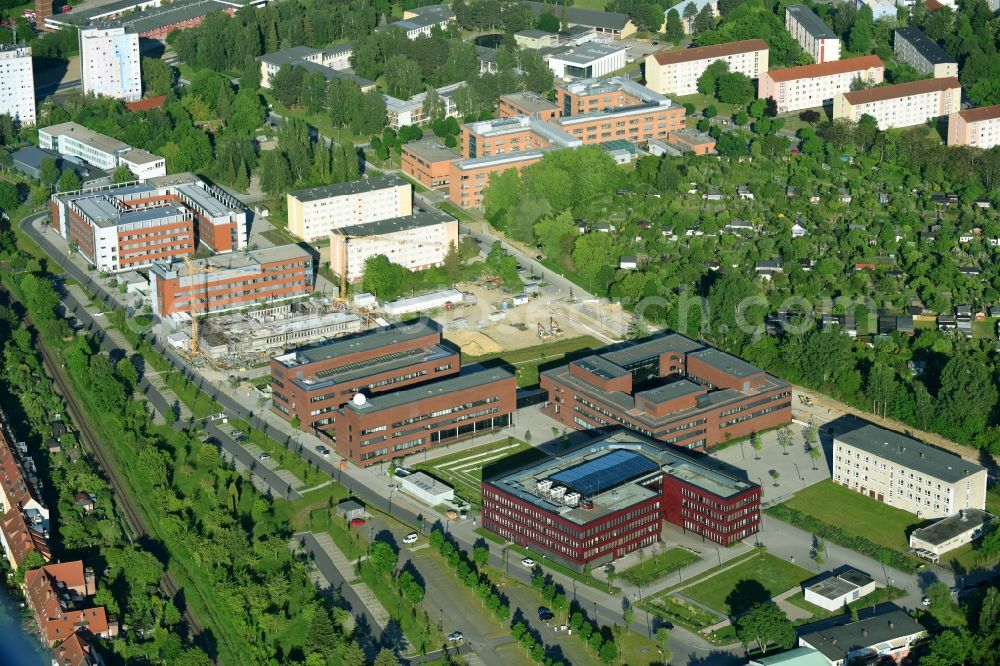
463 469
756 580
654 568
527 360
856 514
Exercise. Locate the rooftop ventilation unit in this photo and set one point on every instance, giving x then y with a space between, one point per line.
571 499
543 486
557 492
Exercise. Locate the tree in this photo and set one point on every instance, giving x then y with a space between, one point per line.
756 444
689 13
382 558
322 637
386 657
69 181
122 174
608 652
863 31
881 387
248 112
784 439
481 555
704 20
765 624
735 88
453 262
775 474
674 28
9 197
709 78
966 397
548 22
286 84
403 77
275 173
48 174
157 76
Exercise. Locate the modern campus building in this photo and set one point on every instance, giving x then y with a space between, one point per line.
415 242
597 111
903 104
429 163
230 281
330 62
587 61
677 71
468 178
923 54
399 423
311 383
671 388
527 103
60 598
975 127
814 36
420 21
109 62
907 474
811 86
949 533
123 227
315 212
98 150
605 24
887 635
414 111
610 497
17 83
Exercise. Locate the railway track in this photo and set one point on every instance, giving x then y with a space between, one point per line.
133 518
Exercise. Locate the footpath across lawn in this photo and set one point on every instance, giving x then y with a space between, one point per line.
653 568
755 580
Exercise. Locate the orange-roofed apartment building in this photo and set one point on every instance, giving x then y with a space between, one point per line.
811 86
975 127
24 518
59 598
677 71
901 105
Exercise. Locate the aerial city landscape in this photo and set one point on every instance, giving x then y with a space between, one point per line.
574 332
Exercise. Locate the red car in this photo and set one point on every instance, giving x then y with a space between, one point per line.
66 8
357 522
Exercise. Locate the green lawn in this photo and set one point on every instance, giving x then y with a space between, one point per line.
527 360
463 469
653 568
856 514
455 211
758 579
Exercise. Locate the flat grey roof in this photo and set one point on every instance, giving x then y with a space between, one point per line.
670 391
534 34
532 102
910 453
588 53
654 347
101 142
154 18
431 151
812 23
366 341
600 367
418 220
837 585
952 526
471 376
925 46
589 17
288 56
837 642
728 363
350 187
232 260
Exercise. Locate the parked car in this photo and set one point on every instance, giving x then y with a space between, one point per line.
357 522
411 538
323 451
528 562
926 601
456 636
544 614
264 456
239 435
214 441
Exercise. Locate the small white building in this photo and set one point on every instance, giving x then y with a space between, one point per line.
79 144
836 590
426 488
798 231
588 61
628 263
432 301
949 533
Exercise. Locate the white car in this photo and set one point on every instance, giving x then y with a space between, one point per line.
528 562
411 538
264 456
456 636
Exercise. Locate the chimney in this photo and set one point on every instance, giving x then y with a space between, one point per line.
961 515
864 632
892 625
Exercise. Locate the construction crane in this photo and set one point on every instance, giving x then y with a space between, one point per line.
193 270
342 296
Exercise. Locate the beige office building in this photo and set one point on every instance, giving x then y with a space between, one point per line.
907 474
975 127
415 242
901 105
314 213
811 86
677 72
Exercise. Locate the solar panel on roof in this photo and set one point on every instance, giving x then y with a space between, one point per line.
608 471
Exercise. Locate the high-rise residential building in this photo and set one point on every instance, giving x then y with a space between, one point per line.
814 36
677 71
975 127
315 212
811 86
901 105
17 83
109 62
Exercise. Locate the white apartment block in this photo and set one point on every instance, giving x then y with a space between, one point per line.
415 242
975 127
923 54
109 62
403 112
907 474
17 83
317 211
677 72
811 86
814 36
902 105
77 142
